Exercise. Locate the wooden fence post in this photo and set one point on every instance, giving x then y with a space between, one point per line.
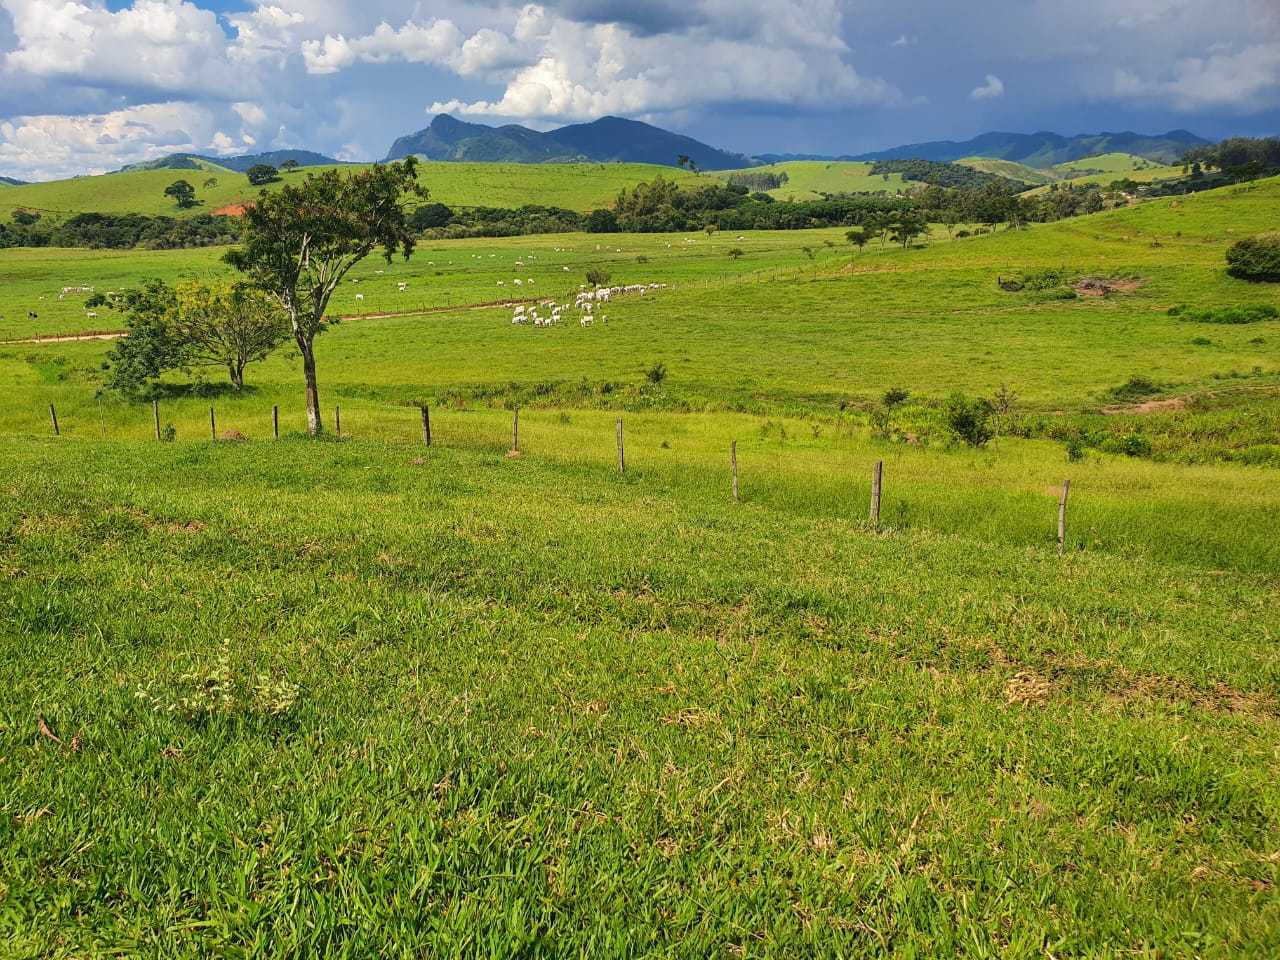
155 414
733 464
102 419
213 425
53 415
515 430
1062 516
877 479
622 457
337 420
426 425
275 421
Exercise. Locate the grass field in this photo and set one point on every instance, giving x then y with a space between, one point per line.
575 186
809 179
362 697
1011 170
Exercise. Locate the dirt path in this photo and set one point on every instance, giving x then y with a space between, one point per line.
421 312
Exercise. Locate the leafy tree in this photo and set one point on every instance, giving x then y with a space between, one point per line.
907 226
289 166
431 215
302 240
602 221
261 173
211 183
148 349
597 278
1256 259
183 193
226 324
970 420
26 217
859 237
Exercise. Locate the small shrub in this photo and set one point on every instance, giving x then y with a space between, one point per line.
736 253
970 420
597 278
1252 313
1201 342
1256 259
656 374
893 397
642 259
1075 449
1131 445
1135 388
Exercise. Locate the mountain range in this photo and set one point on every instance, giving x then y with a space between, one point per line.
1046 149
614 139
191 161
11 182
607 140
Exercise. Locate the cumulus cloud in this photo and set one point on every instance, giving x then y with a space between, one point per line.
56 146
993 89
1225 79
161 45
556 68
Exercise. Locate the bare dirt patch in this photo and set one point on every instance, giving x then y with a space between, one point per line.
1147 406
1101 287
231 210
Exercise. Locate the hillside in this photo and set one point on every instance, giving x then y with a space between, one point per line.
1010 170
273 158
808 179
1046 149
11 182
576 186
608 140
470 700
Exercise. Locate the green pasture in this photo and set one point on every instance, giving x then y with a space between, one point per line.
473 705
808 179
359 696
575 186
1010 169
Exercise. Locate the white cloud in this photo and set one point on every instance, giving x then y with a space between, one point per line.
162 45
993 89
436 42
1239 81
551 67
43 147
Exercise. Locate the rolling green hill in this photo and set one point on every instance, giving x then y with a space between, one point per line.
575 186
325 696
807 179
1010 169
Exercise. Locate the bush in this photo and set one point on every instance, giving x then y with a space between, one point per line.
1131 445
893 397
1254 313
1135 388
1256 259
970 420
597 278
657 374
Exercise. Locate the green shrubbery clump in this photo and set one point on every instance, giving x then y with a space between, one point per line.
970 420
1253 313
1256 259
1135 388
1131 445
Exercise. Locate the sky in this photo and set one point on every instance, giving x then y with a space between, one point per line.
89 85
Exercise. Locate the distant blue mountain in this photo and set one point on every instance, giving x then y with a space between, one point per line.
1046 149
607 140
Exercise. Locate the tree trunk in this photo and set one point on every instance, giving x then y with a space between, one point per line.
237 375
314 423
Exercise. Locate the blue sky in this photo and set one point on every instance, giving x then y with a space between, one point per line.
87 85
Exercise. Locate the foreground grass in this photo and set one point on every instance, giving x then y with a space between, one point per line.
481 706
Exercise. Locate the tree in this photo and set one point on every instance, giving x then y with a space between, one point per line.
211 183
597 278
289 166
970 420
301 241
859 237
602 221
1256 259
735 253
148 349
907 226
227 324
183 193
261 173
431 215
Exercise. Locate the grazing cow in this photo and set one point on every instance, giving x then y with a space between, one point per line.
359 298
